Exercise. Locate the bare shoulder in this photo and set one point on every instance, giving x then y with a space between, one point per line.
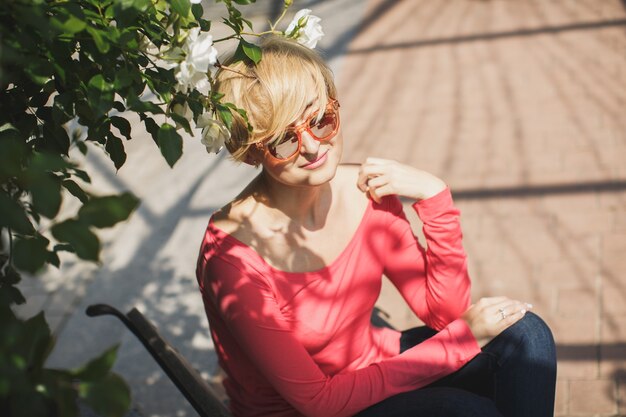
346 180
230 217
225 218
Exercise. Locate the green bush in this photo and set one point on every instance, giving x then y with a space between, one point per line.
71 71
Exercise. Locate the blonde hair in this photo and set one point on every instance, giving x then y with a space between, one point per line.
274 93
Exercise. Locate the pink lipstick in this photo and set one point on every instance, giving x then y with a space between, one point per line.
316 163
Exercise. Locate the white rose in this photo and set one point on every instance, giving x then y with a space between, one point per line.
199 55
199 50
305 28
214 133
171 58
196 1
189 79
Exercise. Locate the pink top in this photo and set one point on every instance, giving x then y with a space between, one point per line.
297 344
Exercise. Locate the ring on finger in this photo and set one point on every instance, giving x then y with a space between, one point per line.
502 313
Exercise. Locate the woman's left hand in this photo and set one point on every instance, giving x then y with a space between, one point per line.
381 177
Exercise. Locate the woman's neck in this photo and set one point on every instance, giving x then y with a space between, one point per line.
306 205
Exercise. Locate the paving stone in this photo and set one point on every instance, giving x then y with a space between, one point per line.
578 302
561 400
615 243
580 224
592 397
613 297
571 203
613 329
614 267
621 395
579 369
567 273
574 331
619 213
613 360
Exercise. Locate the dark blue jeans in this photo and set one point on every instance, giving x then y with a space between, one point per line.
513 376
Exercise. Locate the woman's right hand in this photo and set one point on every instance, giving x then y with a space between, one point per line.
492 315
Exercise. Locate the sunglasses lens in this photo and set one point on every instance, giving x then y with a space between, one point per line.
285 147
326 126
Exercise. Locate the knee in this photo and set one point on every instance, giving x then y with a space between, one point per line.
534 338
535 329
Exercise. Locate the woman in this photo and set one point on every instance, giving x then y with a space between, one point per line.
290 271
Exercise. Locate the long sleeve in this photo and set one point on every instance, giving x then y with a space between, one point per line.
245 302
434 281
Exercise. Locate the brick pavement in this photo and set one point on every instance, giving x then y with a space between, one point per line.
519 106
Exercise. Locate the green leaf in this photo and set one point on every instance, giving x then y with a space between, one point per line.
85 115
39 71
225 114
122 125
109 397
109 12
46 192
124 78
239 54
170 143
11 295
36 341
82 175
68 24
53 259
82 147
181 120
139 5
182 7
13 215
244 2
63 247
98 131
30 254
27 125
48 162
39 99
205 25
9 276
84 242
75 190
55 138
12 152
140 106
59 384
99 38
100 94
99 367
251 50
153 128
109 210
69 19
234 26
63 108
119 106
115 149
198 11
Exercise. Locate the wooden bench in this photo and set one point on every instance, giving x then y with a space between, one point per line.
198 392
